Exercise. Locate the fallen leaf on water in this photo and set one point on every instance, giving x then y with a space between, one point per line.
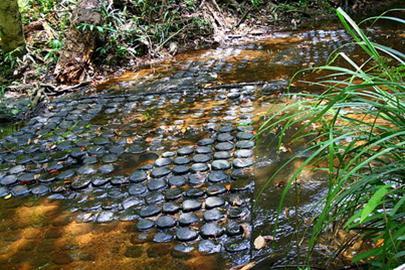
129 141
286 211
268 238
247 266
259 242
7 197
246 230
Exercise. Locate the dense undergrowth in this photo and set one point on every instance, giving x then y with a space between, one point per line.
356 129
132 29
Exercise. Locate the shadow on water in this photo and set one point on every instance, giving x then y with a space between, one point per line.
8 129
41 234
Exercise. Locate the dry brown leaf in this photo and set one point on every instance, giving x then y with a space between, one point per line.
286 211
247 266
268 238
246 230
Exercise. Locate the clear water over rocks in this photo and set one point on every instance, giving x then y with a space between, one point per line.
158 171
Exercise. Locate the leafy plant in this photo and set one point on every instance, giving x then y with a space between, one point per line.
356 133
53 54
256 3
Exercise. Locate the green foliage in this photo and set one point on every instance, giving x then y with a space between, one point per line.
256 3
10 60
144 27
45 51
356 130
53 54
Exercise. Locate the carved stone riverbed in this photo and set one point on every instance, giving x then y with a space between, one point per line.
160 172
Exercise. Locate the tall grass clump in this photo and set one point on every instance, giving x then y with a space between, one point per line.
356 133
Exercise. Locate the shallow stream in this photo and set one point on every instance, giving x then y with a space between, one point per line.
160 168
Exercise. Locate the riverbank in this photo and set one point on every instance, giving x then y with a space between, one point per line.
32 77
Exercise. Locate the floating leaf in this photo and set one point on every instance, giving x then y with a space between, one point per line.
246 230
268 238
259 242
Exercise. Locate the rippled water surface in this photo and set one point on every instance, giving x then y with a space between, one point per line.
160 168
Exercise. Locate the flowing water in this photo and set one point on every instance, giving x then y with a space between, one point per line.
160 169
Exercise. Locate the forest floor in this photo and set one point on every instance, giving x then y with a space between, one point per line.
128 44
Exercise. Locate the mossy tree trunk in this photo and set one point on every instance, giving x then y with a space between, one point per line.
78 48
11 30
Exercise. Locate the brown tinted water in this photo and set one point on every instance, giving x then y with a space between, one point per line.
183 100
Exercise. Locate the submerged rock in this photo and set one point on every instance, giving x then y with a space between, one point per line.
213 215
211 229
220 165
191 205
161 237
156 184
201 158
186 150
224 146
212 202
166 222
181 161
138 176
137 189
106 169
8 180
150 210
186 219
160 172
19 190
145 224
4 191
237 246
183 248
105 216
170 208
186 234
242 162
209 247
181 169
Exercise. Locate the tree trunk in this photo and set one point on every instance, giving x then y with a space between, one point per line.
11 31
75 58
